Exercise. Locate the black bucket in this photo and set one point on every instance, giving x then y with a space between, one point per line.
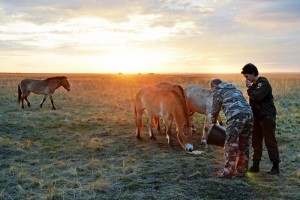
216 136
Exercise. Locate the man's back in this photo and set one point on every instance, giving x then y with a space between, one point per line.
232 100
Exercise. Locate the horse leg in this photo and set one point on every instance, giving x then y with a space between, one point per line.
165 129
22 102
205 131
156 123
24 96
191 118
52 102
139 125
44 99
28 103
150 117
168 126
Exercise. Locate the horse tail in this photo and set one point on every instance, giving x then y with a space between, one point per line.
19 94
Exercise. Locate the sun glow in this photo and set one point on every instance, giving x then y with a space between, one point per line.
134 61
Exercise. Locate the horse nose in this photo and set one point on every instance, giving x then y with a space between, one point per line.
189 147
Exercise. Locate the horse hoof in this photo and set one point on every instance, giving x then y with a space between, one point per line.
53 108
203 142
153 138
138 137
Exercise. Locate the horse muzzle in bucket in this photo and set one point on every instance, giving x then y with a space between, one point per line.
216 135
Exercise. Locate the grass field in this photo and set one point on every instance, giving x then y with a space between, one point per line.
86 149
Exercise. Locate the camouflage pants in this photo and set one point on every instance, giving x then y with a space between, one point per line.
236 148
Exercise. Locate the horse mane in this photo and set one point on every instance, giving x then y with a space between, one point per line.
55 77
182 100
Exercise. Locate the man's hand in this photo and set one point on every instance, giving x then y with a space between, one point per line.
248 83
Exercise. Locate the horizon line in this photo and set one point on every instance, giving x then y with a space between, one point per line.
138 73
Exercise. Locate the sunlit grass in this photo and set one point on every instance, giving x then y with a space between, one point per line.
86 149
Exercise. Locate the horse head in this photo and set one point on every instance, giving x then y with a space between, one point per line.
185 137
66 84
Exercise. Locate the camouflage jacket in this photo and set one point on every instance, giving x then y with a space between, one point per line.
227 97
261 98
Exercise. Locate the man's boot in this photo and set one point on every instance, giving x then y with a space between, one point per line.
242 166
229 171
275 169
255 167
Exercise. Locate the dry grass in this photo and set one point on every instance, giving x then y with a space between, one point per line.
86 149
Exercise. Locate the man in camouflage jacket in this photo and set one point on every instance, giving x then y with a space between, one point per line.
238 126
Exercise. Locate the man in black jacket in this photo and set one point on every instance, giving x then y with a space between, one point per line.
264 112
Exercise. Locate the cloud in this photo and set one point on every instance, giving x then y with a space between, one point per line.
193 32
269 14
53 25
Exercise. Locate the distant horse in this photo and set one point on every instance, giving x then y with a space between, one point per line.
45 87
165 103
175 88
200 100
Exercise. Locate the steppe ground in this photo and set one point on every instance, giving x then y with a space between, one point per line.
86 149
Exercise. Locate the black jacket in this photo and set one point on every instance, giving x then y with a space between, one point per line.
261 98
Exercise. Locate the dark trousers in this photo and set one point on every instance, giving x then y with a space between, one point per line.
264 129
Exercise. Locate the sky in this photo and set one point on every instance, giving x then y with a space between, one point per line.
149 36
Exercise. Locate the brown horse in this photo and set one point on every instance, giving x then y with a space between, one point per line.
45 87
165 103
180 92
